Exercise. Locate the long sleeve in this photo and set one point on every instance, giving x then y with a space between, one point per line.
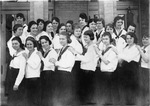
21 71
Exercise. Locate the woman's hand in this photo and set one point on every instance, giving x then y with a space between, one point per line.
15 87
39 54
25 55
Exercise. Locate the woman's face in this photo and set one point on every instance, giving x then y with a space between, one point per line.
15 45
92 26
19 20
99 25
49 27
130 40
33 30
119 23
81 21
63 40
40 26
146 41
87 39
19 31
77 32
30 45
131 29
68 27
55 24
106 40
63 28
45 44
109 29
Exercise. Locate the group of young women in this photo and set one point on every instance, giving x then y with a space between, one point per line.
83 63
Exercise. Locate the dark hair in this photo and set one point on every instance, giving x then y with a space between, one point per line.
133 35
70 22
110 25
46 38
145 36
59 26
131 24
83 16
116 19
40 20
67 36
109 35
16 26
20 15
90 21
102 20
46 23
30 24
56 19
90 34
19 40
32 40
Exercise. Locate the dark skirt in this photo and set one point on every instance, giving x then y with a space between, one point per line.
87 86
15 98
128 79
63 88
47 87
33 90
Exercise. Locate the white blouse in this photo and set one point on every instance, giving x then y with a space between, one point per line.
56 43
76 45
89 60
112 57
19 62
130 54
47 64
33 66
82 35
147 53
66 61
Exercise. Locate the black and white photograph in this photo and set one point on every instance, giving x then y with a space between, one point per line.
75 52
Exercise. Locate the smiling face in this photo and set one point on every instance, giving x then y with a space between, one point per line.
63 40
77 32
92 26
33 30
87 39
109 29
15 45
19 20
19 31
45 44
106 40
40 26
99 25
55 24
119 23
63 28
30 45
146 41
130 40
49 27
131 29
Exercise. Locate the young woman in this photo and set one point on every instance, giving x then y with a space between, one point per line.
56 44
145 67
108 64
32 74
119 31
47 75
56 23
64 64
92 26
48 28
15 76
88 67
69 27
83 19
128 73
32 29
100 28
17 29
40 27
